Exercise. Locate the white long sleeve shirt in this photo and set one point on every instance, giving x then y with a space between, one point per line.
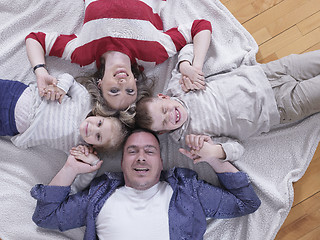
50 123
235 106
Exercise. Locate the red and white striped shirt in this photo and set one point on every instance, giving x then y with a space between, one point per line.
132 27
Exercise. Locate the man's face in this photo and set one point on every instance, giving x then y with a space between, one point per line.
141 163
167 114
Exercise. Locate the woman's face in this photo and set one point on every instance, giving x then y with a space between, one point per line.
118 84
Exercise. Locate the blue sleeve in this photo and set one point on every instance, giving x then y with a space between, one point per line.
56 209
236 198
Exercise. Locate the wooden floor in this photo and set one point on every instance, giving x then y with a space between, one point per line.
282 27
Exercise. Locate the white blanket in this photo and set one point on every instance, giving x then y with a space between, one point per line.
273 161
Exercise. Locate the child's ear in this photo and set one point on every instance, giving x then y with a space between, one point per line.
99 83
162 96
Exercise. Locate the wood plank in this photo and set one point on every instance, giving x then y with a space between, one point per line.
247 9
310 23
234 6
301 44
278 42
309 184
246 13
307 215
263 5
313 235
314 47
262 35
292 17
272 14
267 59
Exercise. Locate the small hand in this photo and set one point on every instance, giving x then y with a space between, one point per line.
44 80
53 93
187 85
91 158
192 77
84 149
79 166
202 148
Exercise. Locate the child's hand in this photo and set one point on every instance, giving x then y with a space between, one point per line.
44 79
202 148
90 159
186 84
79 166
53 93
84 149
192 77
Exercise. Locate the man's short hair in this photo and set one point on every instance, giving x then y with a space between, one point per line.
137 130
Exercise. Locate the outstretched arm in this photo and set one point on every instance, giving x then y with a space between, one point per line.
77 162
238 197
192 75
36 56
201 43
202 149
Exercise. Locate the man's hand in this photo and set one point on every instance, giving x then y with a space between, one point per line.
76 163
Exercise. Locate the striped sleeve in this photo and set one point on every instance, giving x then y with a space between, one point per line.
200 25
65 81
54 44
185 33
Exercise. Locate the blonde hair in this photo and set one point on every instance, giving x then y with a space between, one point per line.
119 133
99 104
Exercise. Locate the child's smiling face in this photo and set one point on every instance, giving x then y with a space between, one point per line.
167 114
99 131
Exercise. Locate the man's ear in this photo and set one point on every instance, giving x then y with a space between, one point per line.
162 96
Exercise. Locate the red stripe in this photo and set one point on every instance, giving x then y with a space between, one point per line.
60 44
200 25
40 37
124 9
143 50
177 38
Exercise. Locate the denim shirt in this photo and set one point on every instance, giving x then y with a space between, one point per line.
192 202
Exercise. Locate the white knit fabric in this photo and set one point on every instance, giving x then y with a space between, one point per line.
273 160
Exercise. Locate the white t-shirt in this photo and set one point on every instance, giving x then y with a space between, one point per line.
136 214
